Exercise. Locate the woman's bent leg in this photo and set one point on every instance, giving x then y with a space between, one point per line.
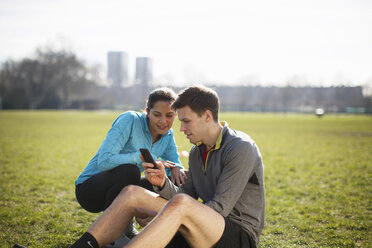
98 192
144 183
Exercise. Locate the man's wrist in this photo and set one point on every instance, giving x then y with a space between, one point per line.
162 187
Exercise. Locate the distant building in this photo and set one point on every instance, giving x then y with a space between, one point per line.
144 74
117 68
292 99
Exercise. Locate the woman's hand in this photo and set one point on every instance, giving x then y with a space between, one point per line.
178 175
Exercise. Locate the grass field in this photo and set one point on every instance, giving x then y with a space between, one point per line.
318 175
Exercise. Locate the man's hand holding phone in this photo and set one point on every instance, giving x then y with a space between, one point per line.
154 170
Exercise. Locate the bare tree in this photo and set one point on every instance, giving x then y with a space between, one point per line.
48 80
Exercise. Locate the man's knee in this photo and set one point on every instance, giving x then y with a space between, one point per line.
183 208
181 202
130 193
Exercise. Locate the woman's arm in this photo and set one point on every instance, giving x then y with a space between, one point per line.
109 152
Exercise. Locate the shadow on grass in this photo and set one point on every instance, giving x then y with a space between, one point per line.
62 245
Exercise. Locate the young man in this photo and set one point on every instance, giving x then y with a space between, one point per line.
225 172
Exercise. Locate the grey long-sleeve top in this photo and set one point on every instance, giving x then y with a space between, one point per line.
231 181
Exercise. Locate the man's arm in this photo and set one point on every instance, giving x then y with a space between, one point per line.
239 161
169 189
163 185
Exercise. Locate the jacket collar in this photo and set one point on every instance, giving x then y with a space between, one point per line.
224 125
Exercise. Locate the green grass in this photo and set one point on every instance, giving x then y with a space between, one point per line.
318 175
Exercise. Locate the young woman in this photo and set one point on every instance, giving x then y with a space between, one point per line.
117 162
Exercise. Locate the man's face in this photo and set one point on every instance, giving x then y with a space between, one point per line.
192 125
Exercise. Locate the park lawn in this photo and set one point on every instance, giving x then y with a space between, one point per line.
317 175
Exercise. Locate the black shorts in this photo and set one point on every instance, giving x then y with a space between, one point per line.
233 237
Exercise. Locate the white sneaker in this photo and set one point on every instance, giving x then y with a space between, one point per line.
120 242
131 230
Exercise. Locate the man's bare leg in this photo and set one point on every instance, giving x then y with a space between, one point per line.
199 224
113 221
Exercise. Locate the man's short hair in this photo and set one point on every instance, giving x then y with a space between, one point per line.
199 99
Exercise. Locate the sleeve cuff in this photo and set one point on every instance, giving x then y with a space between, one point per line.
158 189
136 158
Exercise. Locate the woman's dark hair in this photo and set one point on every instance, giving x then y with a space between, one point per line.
160 94
199 99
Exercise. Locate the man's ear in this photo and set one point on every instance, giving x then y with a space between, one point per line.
208 115
147 110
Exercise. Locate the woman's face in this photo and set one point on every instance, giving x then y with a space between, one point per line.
161 118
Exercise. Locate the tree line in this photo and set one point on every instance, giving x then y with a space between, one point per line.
57 79
50 79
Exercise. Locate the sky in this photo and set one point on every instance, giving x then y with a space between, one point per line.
235 42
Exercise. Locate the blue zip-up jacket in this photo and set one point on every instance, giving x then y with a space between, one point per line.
129 133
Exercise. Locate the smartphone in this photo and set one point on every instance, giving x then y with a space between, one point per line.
147 157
